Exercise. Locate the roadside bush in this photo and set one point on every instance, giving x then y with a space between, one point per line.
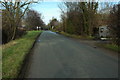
20 32
4 37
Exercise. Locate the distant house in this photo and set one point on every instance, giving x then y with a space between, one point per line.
103 31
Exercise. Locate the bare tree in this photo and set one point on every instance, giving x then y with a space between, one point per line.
80 17
13 12
114 23
33 19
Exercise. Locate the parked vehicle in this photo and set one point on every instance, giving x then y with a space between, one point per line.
104 32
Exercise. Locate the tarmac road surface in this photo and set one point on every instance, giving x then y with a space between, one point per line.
57 56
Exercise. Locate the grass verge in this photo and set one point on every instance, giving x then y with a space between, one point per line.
13 54
112 47
77 36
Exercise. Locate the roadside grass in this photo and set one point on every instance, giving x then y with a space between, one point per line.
110 46
13 54
77 36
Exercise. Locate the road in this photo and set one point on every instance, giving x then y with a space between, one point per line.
57 56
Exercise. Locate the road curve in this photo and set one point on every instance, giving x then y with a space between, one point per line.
56 56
